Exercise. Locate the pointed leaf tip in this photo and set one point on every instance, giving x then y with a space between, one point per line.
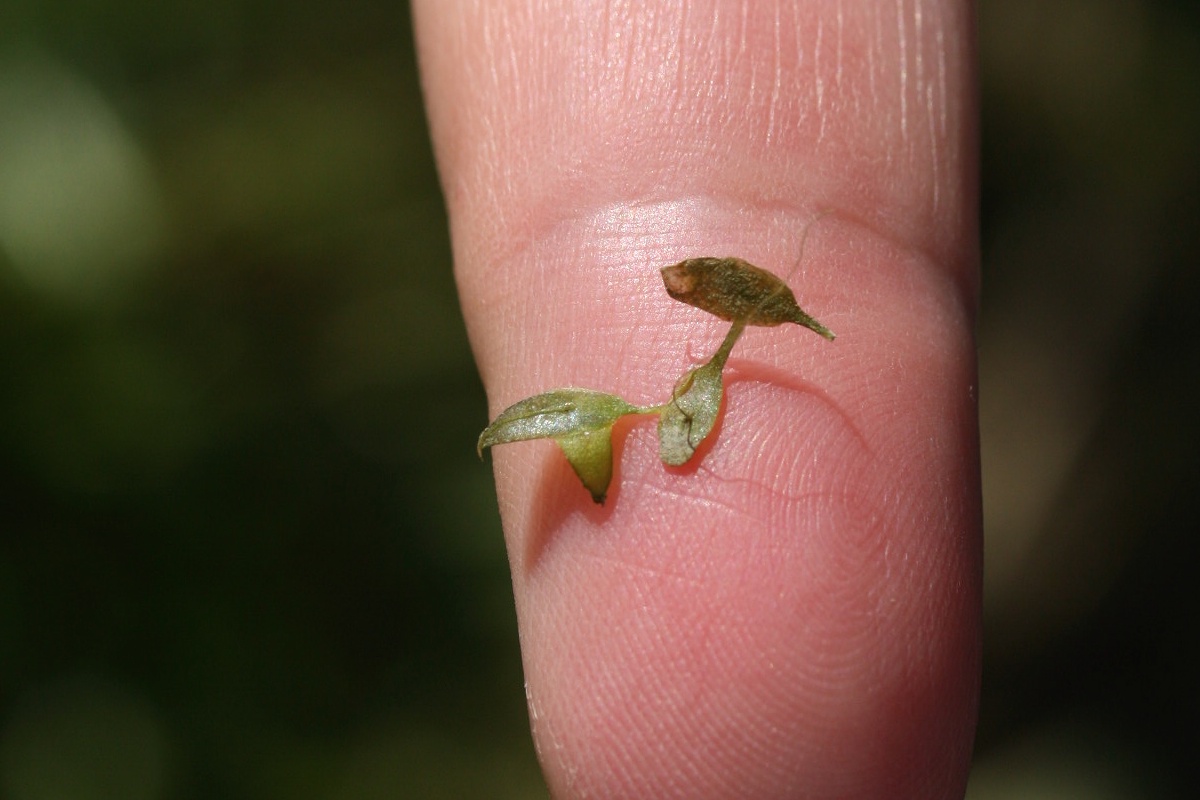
590 454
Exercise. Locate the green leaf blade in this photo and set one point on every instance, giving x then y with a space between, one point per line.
590 454
560 412
689 418
579 420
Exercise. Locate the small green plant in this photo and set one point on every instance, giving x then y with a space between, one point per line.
581 420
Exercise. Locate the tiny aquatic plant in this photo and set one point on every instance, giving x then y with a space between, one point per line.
581 420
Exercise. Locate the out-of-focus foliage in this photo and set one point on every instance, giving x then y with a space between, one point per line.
246 549
1090 385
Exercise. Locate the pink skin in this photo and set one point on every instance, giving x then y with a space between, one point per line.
795 613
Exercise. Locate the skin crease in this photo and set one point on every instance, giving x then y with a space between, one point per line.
795 613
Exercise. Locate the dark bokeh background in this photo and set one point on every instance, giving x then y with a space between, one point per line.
246 549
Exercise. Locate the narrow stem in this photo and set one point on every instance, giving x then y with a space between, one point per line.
722 355
649 409
718 360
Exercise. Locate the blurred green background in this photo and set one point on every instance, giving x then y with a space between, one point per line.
246 549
